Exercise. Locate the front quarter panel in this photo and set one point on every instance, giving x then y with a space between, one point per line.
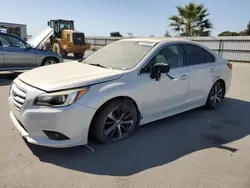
40 55
100 93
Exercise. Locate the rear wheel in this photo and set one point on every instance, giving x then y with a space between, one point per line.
215 96
79 55
115 122
57 48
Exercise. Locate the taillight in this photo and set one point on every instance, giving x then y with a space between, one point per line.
230 66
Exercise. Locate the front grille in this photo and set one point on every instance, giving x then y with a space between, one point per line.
17 96
78 38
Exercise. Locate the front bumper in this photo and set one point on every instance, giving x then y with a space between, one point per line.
72 121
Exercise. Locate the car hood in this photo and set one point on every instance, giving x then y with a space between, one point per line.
68 75
38 40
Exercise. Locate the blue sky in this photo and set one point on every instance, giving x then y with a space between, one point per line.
141 17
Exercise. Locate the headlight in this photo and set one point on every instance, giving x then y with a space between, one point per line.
60 99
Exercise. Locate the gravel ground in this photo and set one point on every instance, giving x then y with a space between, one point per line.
199 148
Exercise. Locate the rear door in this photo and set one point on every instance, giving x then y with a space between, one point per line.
202 72
16 54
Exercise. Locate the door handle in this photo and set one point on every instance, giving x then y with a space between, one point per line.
183 77
7 50
212 70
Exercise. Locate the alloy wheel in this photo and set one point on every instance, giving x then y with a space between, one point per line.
118 124
50 62
217 96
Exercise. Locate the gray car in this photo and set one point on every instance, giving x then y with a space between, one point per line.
16 54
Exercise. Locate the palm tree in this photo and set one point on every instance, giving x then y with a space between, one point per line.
191 20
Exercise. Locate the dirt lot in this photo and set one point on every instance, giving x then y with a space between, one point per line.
199 148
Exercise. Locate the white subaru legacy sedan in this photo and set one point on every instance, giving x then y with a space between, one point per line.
124 85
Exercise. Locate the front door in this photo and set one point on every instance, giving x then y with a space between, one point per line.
16 54
158 98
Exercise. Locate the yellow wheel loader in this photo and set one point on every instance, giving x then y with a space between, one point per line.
66 39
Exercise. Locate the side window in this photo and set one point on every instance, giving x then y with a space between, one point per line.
209 57
194 54
172 55
4 42
169 54
11 41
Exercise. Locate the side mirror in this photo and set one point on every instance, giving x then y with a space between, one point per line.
162 67
158 69
48 23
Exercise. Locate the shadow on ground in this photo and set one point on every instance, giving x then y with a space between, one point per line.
7 77
157 143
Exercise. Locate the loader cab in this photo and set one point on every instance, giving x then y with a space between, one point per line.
60 25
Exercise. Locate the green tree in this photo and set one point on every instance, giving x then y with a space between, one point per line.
248 29
191 20
167 34
229 33
245 32
115 34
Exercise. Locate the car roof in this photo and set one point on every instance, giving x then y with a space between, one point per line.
166 40
160 40
154 39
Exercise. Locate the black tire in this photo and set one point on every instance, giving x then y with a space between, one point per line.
49 59
57 48
79 55
214 100
103 127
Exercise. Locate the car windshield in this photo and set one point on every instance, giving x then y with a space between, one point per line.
120 54
66 25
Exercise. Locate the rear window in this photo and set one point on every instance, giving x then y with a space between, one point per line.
194 54
209 57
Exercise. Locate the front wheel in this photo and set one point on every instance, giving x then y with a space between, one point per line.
215 96
115 122
50 61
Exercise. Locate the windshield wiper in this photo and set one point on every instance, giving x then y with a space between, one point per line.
99 65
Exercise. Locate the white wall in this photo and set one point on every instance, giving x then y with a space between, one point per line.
23 28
